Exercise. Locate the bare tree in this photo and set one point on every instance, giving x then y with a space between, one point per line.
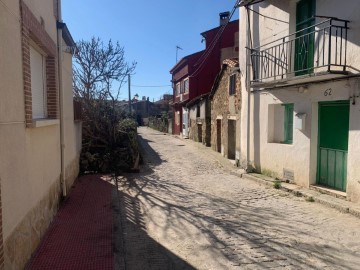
100 70
97 67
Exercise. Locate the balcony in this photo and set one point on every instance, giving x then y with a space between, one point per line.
314 53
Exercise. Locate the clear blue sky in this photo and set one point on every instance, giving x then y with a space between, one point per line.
148 30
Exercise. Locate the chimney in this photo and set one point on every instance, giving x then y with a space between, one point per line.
224 17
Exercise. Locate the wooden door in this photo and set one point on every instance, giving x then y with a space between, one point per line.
333 144
218 135
304 45
200 135
231 139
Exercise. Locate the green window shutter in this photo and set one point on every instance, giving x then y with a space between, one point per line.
288 123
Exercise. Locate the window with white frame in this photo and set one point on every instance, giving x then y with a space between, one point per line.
38 83
232 84
177 89
186 85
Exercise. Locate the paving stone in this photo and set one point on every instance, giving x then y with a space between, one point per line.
192 213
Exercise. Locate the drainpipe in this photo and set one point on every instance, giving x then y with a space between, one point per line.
248 44
61 101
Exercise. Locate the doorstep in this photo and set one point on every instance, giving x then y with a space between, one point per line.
329 191
330 198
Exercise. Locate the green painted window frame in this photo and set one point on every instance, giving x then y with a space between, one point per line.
288 123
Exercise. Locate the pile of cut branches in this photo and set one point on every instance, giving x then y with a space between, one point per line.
109 132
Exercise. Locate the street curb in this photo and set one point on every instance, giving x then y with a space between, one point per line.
308 194
311 195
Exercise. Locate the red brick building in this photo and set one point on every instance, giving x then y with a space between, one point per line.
194 75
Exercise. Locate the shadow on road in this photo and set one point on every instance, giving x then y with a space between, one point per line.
239 231
134 248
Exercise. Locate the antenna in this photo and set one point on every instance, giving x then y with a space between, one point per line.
177 49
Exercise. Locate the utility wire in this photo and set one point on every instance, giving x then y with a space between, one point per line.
267 17
204 57
154 86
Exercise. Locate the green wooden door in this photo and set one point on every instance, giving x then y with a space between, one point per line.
333 144
304 44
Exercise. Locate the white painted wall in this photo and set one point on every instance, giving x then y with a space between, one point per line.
193 110
301 156
72 130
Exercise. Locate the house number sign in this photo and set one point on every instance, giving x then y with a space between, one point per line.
328 92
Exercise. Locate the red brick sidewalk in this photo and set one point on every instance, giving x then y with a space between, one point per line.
80 237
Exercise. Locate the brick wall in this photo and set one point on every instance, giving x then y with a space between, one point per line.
32 29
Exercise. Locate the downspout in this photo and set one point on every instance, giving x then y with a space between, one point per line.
248 44
61 100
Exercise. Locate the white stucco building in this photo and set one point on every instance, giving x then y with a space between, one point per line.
300 118
40 141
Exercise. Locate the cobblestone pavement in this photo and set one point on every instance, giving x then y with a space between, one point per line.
184 211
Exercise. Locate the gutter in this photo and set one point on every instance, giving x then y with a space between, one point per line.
248 43
61 101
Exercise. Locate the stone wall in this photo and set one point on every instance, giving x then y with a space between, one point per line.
194 133
25 238
225 108
201 123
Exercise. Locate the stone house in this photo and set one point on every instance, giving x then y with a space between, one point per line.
40 140
200 119
225 99
301 106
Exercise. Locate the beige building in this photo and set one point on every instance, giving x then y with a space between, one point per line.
40 141
301 88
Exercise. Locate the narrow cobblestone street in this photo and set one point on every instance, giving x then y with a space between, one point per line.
184 211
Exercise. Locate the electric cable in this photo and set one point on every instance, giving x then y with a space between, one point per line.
267 17
208 51
154 86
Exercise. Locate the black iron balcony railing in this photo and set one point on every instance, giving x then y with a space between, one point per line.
318 48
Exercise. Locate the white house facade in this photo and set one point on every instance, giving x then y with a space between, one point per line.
301 104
